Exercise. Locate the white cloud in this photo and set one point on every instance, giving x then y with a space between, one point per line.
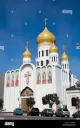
11 59
25 23
53 23
1 47
39 11
12 11
12 35
67 35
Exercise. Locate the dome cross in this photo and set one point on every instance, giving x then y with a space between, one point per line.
64 47
27 44
45 21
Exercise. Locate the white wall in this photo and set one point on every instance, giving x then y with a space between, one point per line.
44 89
26 60
63 63
43 47
70 94
24 68
11 95
74 80
7 95
17 92
4 101
32 80
58 82
65 84
54 54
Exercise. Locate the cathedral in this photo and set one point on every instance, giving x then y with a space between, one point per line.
50 74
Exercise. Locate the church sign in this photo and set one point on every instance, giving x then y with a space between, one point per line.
43 75
17 78
12 78
8 79
49 73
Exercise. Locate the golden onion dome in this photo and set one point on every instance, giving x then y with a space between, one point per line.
64 57
53 48
46 37
27 54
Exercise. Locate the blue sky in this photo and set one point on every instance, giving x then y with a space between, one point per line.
15 13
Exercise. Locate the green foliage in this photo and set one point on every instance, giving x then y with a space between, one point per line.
30 102
50 99
77 103
1 103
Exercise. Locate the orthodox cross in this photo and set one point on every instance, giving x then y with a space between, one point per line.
63 48
27 44
45 21
27 75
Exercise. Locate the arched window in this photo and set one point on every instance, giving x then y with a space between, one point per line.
52 59
65 65
73 100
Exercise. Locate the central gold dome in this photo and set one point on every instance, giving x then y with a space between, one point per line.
46 37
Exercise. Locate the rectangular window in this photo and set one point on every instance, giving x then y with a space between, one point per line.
67 65
47 62
52 59
56 59
39 53
37 63
41 63
42 53
46 52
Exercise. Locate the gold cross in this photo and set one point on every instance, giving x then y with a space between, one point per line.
63 48
27 44
45 21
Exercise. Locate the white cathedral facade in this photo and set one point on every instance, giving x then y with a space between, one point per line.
46 77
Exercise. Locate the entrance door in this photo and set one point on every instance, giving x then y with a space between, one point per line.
24 105
25 92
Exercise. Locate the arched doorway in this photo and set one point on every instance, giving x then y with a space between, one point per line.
73 100
26 93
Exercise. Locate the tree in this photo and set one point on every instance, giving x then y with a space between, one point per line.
77 103
1 103
30 102
50 99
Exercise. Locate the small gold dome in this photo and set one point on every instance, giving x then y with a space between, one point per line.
53 48
46 37
64 57
27 54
